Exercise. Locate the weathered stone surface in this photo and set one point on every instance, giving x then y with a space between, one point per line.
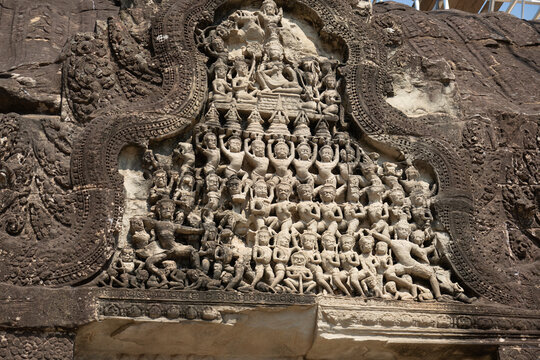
455 94
32 37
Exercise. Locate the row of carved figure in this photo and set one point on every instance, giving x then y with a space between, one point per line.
367 263
248 231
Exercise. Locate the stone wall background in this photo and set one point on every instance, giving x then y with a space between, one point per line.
472 79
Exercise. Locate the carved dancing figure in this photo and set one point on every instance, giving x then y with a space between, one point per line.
166 232
403 250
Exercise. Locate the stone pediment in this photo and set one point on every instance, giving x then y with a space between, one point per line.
219 156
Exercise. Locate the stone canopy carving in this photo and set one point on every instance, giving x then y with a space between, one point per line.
271 193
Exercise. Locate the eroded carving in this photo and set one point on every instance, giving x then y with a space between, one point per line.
269 193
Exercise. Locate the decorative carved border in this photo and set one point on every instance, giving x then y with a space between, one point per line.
99 188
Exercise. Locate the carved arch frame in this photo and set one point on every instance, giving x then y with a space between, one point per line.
94 161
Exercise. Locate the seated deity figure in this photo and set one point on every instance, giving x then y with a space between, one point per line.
404 250
331 262
161 188
326 165
284 155
330 97
255 155
350 261
221 90
235 155
166 230
331 214
308 211
262 256
308 241
298 277
242 83
273 74
210 150
306 159
310 96
283 208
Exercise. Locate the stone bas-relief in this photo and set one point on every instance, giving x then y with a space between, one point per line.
270 192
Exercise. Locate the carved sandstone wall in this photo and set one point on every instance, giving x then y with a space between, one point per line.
89 90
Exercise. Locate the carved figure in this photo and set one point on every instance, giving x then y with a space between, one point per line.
298 277
262 256
306 159
257 159
308 211
210 151
273 75
403 250
327 164
284 155
349 263
235 155
330 261
331 213
165 231
314 259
